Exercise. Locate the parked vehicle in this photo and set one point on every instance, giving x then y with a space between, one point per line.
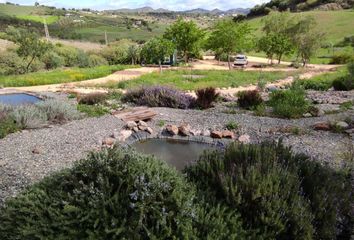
240 60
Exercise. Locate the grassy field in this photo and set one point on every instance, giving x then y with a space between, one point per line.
59 76
192 80
36 18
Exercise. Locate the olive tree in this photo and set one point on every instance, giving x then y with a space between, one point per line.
186 36
229 37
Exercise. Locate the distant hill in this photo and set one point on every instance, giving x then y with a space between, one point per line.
192 11
300 5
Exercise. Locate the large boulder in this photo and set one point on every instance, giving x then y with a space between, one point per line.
184 130
172 130
216 134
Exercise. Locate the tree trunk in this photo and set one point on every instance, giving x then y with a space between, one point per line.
229 61
279 59
160 66
185 57
29 64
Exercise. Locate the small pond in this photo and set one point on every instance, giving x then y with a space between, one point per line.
16 99
177 153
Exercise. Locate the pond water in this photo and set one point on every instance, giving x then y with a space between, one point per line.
177 153
18 99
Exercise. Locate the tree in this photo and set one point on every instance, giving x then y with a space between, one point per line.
306 38
134 53
30 45
228 37
156 49
276 39
186 36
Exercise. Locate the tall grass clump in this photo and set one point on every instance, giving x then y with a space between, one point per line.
58 111
278 194
159 96
92 98
249 99
206 97
7 123
290 103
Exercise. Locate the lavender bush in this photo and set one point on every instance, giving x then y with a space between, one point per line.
159 96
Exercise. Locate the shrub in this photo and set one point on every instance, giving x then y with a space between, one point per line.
231 125
58 111
96 60
92 98
115 194
249 99
289 103
70 55
29 116
319 84
7 124
159 96
118 52
83 59
342 58
278 194
206 97
11 63
345 83
52 60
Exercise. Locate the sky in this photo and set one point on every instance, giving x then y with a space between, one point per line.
167 4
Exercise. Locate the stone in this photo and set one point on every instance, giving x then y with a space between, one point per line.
342 125
184 130
36 150
149 130
350 131
130 125
142 128
109 141
126 133
142 123
320 113
322 126
172 129
195 132
245 138
205 133
216 134
307 115
228 134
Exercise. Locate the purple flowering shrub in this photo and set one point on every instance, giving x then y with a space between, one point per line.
159 96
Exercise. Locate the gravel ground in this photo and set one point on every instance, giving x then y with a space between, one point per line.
59 146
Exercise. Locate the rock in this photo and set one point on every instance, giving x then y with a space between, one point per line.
350 131
36 150
322 126
108 141
228 134
130 125
245 139
172 129
216 134
206 133
320 113
126 133
195 132
184 130
272 88
342 125
142 123
149 130
142 128
307 115
136 129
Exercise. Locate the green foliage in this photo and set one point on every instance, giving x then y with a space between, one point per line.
28 116
156 49
118 52
11 64
342 58
7 124
58 111
206 97
231 125
186 36
229 37
92 98
52 60
278 194
92 110
249 99
115 194
345 83
96 60
289 103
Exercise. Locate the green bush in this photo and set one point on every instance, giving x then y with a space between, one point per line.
342 58
70 55
52 60
249 99
7 124
289 103
96 60
320 84
29 116
118 52
115 194
345 83
278 194
92 98
11 63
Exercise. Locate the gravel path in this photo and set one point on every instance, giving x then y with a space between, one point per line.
59 146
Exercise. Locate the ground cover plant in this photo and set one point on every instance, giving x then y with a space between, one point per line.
197 79
266 192
58 76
